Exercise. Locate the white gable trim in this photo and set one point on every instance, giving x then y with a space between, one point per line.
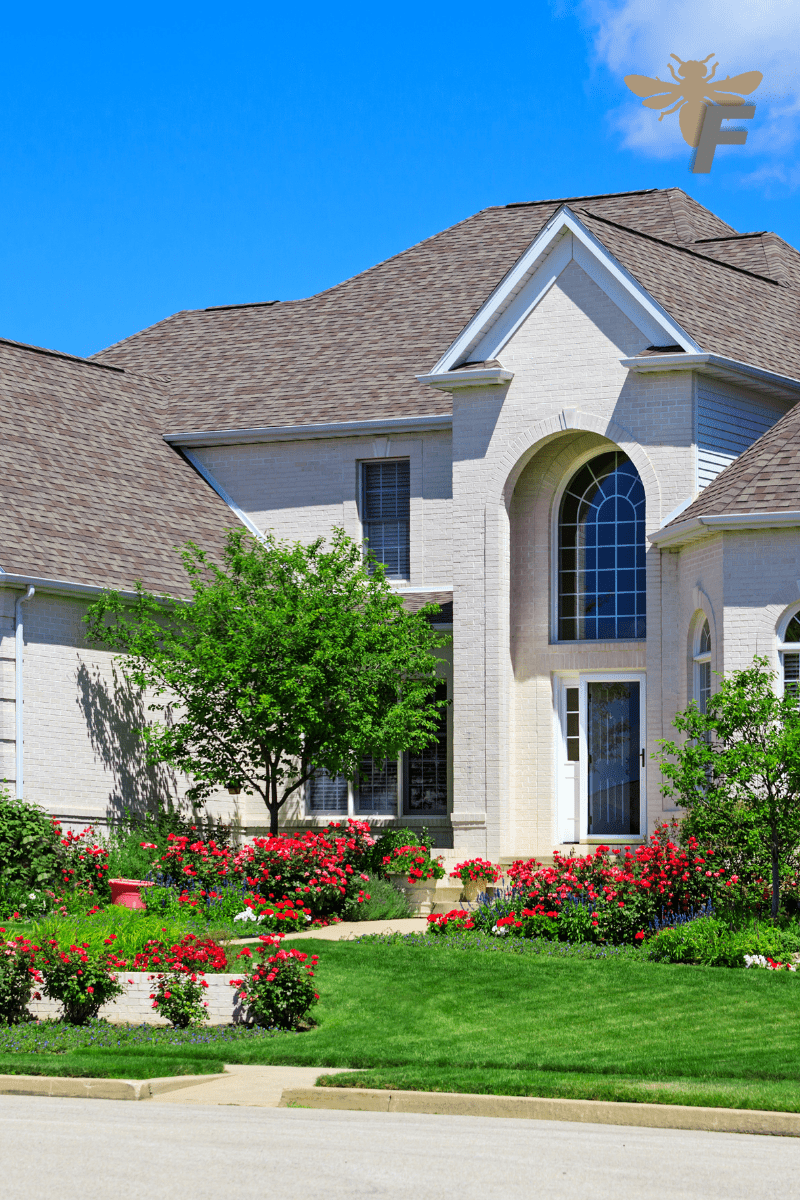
563 239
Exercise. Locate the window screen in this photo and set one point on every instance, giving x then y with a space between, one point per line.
327 793
425 775
385 514
377 786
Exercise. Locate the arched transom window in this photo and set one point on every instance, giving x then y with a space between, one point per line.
601 548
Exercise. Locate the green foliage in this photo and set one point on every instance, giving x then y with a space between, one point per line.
179 997
711 942
738 774
18 978
381 902
82 980
129 930
30 848
288 659
388 842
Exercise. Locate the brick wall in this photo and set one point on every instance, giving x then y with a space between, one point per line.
134 1006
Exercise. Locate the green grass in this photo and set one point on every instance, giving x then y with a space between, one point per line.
442 1018
101 1065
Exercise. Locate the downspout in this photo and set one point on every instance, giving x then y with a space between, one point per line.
18 694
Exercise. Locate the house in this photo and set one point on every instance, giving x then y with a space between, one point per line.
570 423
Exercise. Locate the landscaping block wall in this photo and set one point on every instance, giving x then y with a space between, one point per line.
135 1005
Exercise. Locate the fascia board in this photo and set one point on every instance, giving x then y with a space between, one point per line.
710 364
452 381
686 531
66 587
534 258
407 588
292 433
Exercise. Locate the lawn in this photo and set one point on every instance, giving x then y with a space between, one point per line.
529 1024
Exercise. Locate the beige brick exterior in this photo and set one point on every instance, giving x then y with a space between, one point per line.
484 504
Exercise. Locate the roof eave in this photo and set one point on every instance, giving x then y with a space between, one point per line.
453 381
697 527
730 370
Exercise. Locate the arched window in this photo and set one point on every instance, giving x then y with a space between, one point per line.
601 548
789 647
702 667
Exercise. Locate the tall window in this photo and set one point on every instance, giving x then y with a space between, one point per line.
425 771
790 656
601 548
377 786
385 497
326 793
702 667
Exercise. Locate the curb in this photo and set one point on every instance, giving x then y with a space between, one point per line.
534 1108
97 1089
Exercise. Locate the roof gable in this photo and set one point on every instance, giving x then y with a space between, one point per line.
565 238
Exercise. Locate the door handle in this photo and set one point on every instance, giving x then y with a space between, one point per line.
643 758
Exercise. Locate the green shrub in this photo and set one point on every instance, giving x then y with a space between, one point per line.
179 997
278 990
81 979
388 842
381 901
710 942
18 978
31 853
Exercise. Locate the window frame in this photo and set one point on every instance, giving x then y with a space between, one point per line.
555 527
363 463
785 647
701 659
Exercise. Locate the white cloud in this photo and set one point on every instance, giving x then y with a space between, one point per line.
638 36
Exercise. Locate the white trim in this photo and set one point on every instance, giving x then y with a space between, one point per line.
587 677
330 429
64 587
699 526
649 312
717 365
676 512
19 692
397 585
451 381
219 489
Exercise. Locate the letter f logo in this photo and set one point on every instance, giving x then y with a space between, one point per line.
712 134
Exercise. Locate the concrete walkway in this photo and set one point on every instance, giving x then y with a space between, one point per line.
346 931
250 1087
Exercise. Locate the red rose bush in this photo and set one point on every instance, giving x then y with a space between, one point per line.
277 989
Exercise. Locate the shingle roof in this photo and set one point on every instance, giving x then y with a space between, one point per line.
764 478
91 492
352 352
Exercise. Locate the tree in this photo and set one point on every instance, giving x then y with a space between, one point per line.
288 659
738 771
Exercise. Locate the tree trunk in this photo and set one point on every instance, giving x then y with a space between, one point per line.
776 879
273 807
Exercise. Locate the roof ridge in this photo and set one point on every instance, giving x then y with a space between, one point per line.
86 362
681 248
591 196
731 237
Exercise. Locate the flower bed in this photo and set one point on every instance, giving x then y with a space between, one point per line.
291 880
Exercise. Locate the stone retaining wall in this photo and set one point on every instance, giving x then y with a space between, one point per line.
135 1005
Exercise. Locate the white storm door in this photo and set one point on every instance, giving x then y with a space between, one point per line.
568 761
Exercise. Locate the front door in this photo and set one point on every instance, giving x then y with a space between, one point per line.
601 748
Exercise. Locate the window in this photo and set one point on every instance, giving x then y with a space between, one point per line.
572 732
601 549
327 793
425 771
790 656
385 498
702 667
377 786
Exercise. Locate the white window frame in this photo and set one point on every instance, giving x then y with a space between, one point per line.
786 647
371 462
701 658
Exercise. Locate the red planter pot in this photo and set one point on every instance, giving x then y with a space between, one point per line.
127 892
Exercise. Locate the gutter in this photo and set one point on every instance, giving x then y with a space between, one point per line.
716 365
452 381
291 433
19 643
696 527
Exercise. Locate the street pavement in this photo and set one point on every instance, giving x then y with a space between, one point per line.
92 1149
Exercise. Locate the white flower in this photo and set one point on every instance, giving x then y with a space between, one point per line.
247 915
499 931
32 895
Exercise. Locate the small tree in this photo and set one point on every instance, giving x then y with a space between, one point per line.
738 771
288 659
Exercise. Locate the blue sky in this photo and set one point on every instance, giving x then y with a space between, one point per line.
158 157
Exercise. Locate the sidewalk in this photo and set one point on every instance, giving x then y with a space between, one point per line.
251 1087
346 931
